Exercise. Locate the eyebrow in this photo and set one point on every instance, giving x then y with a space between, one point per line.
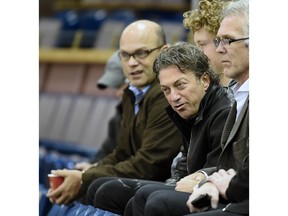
224 36
176 82
201 41
180 80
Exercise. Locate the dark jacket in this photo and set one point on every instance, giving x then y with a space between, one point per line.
202 133
147 142
235 154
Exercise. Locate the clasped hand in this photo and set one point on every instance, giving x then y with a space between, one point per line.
187 183
216 185
68 191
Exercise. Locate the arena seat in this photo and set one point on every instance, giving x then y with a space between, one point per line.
44 203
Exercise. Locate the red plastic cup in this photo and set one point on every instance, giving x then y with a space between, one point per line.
55 181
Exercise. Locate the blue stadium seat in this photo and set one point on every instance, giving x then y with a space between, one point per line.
127 16
41 165
74 209
69 19
60 210
89 24
67 148
69 25
44 203
92 20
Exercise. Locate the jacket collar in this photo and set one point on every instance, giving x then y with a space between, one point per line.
149 87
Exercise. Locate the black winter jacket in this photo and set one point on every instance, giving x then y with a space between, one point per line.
202 134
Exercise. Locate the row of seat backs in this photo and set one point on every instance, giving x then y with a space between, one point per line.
72 78
75 119
101 29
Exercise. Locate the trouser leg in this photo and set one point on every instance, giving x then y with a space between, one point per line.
128 209
167 203
139 201
114 195
89 199
216 212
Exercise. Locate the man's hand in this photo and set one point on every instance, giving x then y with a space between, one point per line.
221 180
69 190
207 188
187 183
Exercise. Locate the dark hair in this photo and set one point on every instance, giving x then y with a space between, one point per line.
187 58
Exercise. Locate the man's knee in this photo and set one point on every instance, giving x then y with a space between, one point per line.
93 187
155 204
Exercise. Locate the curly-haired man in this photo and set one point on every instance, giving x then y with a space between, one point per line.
204 24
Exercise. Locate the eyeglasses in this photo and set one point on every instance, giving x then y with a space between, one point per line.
226 41
139 54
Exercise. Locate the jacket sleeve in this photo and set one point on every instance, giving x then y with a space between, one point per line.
181 169
209 171
238 189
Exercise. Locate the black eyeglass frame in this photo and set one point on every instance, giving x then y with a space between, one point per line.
136 54
226 41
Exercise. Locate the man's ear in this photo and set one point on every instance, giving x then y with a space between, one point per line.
205 81
164 47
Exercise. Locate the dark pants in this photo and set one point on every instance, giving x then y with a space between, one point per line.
113 193
159 200
155 200
93 187
217 212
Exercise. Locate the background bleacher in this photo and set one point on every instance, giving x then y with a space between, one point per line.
76 38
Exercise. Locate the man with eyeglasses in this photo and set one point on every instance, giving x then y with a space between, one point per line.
225 189
228 183
148 140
